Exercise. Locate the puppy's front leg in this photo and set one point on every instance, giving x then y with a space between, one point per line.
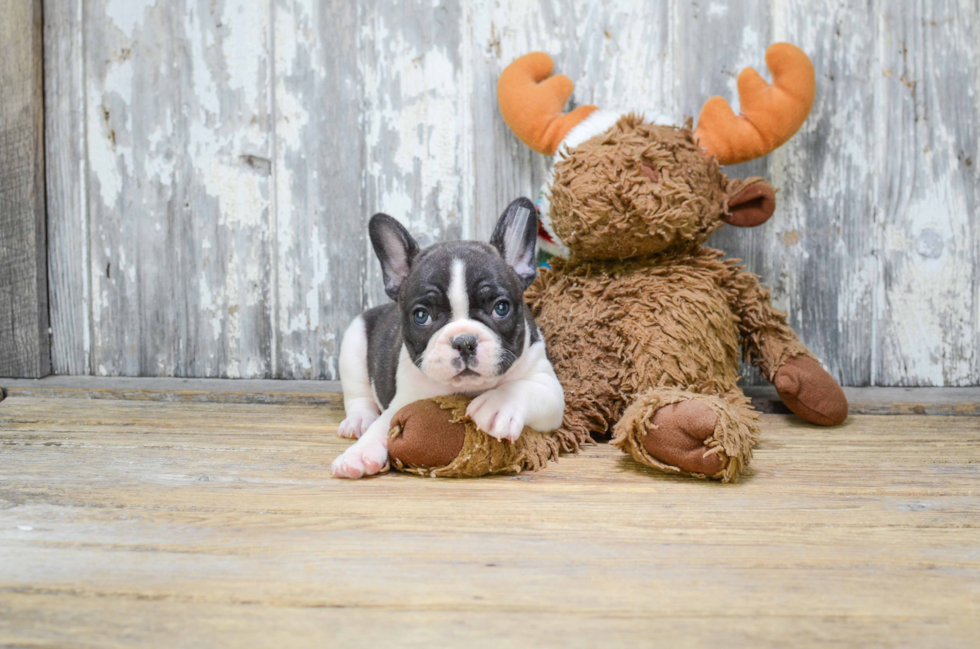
536 400
369 454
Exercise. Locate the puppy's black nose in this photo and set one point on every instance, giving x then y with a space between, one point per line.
465 344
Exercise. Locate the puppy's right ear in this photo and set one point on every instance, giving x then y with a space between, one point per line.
395 248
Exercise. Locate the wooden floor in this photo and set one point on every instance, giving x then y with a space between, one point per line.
179 524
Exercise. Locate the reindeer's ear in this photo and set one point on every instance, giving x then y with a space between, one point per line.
751 202
395 248
515 236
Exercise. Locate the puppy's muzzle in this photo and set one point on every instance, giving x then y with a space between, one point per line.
465 344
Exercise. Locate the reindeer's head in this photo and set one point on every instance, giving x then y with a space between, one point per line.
624 187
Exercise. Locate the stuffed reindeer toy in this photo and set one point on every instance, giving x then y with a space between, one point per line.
643 322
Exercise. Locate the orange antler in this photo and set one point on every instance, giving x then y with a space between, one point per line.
770 114
531 101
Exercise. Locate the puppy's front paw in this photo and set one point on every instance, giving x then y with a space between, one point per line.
367 457
356 423
498 414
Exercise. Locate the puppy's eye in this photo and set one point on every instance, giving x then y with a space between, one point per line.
421 317
501 309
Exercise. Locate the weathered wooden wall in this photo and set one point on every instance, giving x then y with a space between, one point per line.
23 266
212 165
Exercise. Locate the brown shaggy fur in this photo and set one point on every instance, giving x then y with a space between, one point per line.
604 207
642 315
735 431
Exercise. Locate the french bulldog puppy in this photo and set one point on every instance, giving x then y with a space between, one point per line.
458 325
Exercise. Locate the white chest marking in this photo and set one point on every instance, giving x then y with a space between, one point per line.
459 299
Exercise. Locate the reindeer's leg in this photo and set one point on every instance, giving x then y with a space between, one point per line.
678 431
772 346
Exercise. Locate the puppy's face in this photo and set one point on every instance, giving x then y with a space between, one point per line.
464 321
463 314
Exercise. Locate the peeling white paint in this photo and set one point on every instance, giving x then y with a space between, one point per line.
414 144
934 274
929 295
717 9
246 35
127 14
218 186
109 158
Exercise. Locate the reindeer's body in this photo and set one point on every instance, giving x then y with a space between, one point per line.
616 331
644 324
665 328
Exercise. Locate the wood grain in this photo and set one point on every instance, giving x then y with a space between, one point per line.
66 158
178 107
928 189
861 401
321 248
259 138
24 349
824 232
127 522
266 391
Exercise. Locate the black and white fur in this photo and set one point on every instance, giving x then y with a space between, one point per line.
448 333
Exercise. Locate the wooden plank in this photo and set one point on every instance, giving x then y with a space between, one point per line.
410 63
146 521
24 349
66 617
928 189
179 149
886 401
862 401
65 155
820 248
128 209
320 239
327 393
223 292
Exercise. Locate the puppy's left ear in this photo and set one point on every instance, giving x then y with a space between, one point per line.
515 236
